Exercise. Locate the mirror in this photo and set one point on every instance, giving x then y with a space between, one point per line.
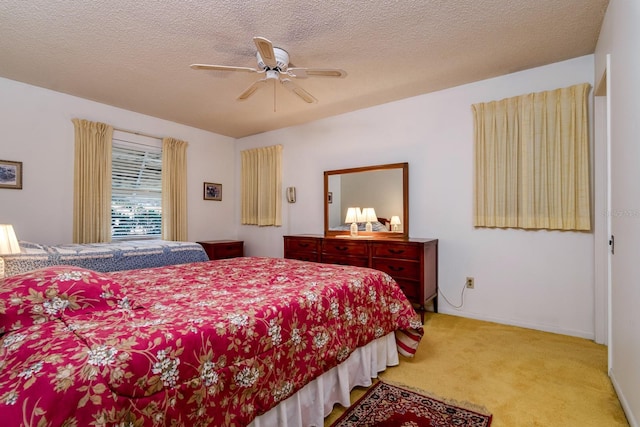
383 188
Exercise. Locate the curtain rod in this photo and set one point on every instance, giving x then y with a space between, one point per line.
138 133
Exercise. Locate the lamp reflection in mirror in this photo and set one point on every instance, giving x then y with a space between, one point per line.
369 216
395 222
352 217
8 244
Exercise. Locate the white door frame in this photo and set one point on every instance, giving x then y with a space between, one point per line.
602 204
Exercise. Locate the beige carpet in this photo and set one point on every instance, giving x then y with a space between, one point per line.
523 377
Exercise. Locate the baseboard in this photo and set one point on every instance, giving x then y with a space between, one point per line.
538 327
633 422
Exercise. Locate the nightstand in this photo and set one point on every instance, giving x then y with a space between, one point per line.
220 249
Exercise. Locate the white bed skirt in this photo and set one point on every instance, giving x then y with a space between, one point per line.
312 403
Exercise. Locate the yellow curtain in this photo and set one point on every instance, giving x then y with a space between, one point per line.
92 182
262 186
532 161
174 189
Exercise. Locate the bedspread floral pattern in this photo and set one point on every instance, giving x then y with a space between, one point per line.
211 344
44 294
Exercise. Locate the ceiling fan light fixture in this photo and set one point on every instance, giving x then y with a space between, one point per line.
272 75
281 60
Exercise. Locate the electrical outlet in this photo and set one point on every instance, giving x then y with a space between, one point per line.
470 284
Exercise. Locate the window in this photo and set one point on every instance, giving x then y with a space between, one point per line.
262 186
136 187
532 161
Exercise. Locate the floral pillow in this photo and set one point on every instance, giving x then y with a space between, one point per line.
45 294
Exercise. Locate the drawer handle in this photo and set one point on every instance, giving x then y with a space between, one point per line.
394 268
303 245
396 251
341 248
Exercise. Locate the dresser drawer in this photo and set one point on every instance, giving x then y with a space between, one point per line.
301 244
396 250
301 256
345 260
302 248
344 247
410 289
230 250
397 268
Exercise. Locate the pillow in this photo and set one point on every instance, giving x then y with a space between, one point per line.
45 294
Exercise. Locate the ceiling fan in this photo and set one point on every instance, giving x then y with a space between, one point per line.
274 63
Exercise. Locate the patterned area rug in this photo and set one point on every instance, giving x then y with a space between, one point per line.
388 405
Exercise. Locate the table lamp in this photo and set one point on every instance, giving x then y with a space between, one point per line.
369 216
8 244
352 217
395 222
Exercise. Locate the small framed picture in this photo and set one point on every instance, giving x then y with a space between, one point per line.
10 174
329 197
212 191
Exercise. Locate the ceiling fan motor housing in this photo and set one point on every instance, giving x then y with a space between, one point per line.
282 59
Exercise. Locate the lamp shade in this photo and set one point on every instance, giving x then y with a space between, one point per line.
369 214
352 216
8 241
395 222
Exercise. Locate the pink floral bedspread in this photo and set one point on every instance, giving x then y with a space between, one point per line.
203 344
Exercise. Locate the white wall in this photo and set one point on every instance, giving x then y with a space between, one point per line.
37 131
541 280
537 279
620 38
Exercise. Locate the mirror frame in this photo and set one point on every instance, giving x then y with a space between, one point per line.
372 234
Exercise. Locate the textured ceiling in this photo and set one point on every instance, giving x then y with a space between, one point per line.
136 54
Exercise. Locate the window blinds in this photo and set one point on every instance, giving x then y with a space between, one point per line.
136 195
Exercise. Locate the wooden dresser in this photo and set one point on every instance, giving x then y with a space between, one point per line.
413 263
221 249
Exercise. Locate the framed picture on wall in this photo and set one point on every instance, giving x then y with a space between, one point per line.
10 174
212 191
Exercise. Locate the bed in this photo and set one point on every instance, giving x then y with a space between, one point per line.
260 341
381 225
104 257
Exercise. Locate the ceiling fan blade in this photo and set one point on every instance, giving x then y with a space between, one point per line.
222 68
251 89
303 73
303 94
265 49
